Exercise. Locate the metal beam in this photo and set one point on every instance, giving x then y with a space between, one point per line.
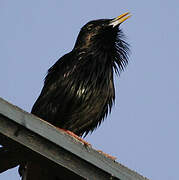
58 148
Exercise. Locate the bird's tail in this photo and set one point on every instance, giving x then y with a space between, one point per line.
9 158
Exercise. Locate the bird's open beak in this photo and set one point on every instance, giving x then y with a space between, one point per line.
117 21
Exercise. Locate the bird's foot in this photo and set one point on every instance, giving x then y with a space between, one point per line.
107 155
75 136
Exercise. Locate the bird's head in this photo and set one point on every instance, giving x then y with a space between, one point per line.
104 36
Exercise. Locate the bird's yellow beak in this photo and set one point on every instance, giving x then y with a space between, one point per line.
120 19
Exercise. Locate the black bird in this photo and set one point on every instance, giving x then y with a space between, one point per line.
79 91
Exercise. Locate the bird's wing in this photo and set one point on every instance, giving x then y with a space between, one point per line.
55 94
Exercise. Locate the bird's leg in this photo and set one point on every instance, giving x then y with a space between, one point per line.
107 155
75 136
84 142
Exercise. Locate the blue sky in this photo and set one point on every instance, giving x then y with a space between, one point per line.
142 131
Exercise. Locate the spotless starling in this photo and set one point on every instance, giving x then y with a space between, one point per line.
78 90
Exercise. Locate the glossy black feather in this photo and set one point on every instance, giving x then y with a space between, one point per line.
78 91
